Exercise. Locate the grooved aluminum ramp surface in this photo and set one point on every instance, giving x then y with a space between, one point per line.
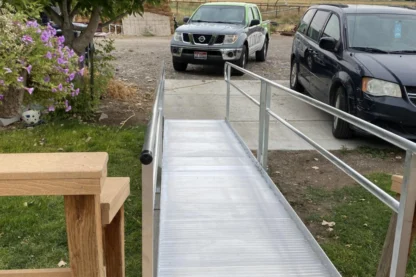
221 216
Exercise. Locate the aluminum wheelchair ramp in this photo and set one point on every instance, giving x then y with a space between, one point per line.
220 213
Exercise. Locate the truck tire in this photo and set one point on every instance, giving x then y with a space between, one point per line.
242 62
262 54
340 128
178 66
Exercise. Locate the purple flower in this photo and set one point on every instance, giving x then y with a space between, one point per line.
20 79
72 76
49 55
81 58
33 24
28 68
60 87
53 89
81 71
2 82
38 31
61 40
76 91
8 70
45 36
66 70
71 53
67 106
30 90
51 108
61 61
47 79
27 39
1 97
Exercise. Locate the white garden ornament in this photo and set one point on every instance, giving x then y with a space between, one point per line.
31 117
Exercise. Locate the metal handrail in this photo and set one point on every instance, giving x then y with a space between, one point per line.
405 208
368 127
148 150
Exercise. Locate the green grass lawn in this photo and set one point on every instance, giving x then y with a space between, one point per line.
355 244
32 229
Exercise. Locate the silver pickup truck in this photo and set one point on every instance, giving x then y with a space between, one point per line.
221 32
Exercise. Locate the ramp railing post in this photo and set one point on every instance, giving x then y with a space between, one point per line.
228 79
264 119
405 219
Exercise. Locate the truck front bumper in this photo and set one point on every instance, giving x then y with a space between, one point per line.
214 55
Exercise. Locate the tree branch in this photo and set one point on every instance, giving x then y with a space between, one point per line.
80 43
54 15
75 10
64 11
112 20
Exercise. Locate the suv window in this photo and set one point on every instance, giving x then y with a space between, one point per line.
317 24
332 28
304 23
256 13
250 16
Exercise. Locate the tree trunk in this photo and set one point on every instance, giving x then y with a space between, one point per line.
81 43
12 102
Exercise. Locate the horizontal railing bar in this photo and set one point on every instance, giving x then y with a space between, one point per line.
366 126
245 93
146 156
364 182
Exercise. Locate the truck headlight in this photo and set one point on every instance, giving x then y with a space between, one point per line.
177 36
378 87
230 39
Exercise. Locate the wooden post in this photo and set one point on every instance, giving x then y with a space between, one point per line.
114 246
147 220
177 8
84 229
387 252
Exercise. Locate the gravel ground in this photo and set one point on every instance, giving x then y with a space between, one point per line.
139 60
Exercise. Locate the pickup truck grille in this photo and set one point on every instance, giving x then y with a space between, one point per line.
202 39
208 38
411 92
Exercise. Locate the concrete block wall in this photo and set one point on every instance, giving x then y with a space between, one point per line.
148 24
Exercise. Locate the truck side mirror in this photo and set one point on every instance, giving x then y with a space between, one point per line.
186 19
254 22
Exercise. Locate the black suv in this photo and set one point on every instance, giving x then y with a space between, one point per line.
362 60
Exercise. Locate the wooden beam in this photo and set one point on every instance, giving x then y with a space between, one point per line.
53 166
114 246
84 230
397 182
39 187
113 195
55 272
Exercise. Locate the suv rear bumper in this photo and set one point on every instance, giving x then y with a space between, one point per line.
214 55
394 114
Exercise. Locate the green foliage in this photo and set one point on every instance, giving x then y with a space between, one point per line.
28 8
87 102
32 229
33 59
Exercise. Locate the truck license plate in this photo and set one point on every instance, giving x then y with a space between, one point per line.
200 55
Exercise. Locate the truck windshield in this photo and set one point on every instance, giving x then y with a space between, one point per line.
220 14
382 33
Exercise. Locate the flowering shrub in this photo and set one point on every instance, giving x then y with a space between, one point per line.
32 58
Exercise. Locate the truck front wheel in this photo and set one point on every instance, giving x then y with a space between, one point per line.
262 54
241 62
178 66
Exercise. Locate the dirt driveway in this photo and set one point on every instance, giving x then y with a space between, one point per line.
139 60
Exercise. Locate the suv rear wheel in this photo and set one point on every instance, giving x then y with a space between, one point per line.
178 66
340 128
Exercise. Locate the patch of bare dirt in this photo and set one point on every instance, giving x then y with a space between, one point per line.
295 171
